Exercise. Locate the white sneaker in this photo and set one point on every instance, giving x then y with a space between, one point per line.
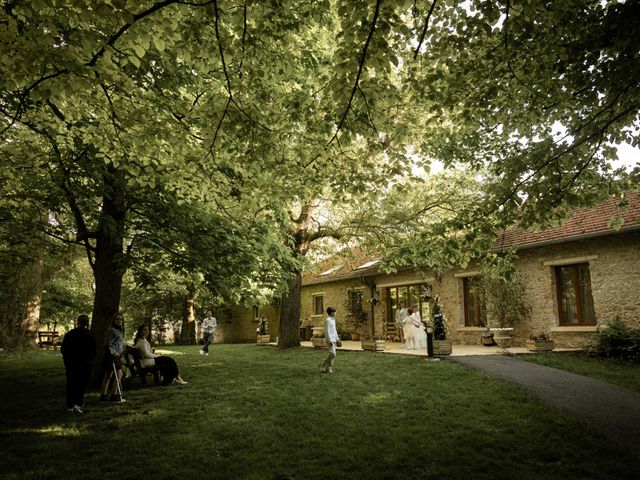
206 354
328 370
77 409
201 352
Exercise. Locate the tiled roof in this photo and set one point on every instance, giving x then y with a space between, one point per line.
583 223
355 263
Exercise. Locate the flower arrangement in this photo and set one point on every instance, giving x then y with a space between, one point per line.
263 326
540 342
427 293
540 337
355 316
439 319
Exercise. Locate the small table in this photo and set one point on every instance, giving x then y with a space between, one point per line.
48 339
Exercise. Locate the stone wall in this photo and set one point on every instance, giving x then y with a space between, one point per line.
614 264
335 295
241 324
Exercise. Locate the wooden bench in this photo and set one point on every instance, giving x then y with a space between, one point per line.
48 339
133 361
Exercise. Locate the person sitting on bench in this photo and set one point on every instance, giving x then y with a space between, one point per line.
167 365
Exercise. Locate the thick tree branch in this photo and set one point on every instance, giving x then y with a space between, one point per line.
23 99
244 36
231 99
219 126
127 26
83 234
360 69
220 49
94 59
325 233
424 29
505 25
114 120
562 153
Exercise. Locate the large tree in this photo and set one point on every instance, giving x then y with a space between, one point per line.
102 104
279 106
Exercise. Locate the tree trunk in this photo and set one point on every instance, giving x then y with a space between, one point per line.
33 285
109 266
188 332
290 307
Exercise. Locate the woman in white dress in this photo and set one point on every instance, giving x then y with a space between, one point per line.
414 333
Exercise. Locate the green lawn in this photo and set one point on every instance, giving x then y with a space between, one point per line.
252 412
618 372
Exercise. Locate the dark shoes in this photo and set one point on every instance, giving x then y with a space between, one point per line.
115 398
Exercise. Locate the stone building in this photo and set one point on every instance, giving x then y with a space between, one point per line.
577 277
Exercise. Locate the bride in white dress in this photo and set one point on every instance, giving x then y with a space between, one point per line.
415 336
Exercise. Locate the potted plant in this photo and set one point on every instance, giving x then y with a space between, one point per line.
540 343
487 338
503 297
355 315
343 334
263 337
441 346
373 344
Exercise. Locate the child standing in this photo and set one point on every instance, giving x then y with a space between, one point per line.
332 339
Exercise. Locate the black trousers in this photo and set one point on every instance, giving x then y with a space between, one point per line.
168 369
77 382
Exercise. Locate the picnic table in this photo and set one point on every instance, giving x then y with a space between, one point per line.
48 339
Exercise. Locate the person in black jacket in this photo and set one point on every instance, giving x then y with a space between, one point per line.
78 350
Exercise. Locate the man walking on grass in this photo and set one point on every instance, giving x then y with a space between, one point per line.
332 339
209 325
78 349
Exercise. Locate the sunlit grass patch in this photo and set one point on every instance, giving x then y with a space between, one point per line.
254 412
54 430
611 370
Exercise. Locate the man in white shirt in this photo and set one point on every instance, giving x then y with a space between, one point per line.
209 325
332 340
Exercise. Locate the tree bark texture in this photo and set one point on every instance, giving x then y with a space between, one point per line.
109 267
188 331
33 285
290 307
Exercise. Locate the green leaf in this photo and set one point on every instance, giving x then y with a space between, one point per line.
134 60
159 43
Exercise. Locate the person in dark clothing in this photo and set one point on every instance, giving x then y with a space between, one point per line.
78 350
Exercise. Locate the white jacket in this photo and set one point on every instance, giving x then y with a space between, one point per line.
209 325
330 332
147 356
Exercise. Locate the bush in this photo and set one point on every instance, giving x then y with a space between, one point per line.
619 341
